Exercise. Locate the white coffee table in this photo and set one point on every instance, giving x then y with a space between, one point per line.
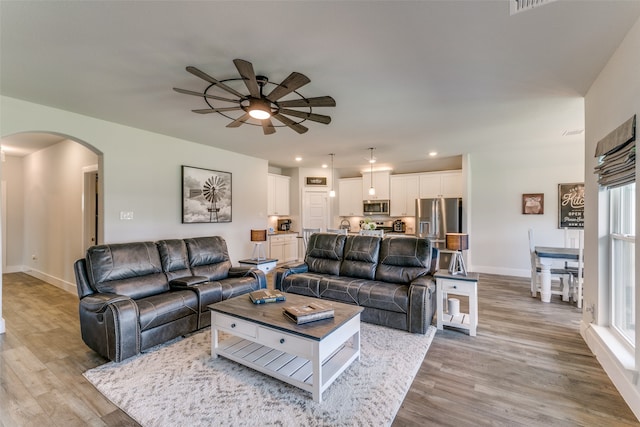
309 356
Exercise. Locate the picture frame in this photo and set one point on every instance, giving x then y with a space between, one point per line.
571 205
206 195
533 204
317 180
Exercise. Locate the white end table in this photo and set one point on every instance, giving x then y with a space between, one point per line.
264 264
449 284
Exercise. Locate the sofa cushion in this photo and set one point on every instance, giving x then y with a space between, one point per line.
403 258
158 310
339 288
324 253
174 258
208 256
384 296
131 269
303 284
360 257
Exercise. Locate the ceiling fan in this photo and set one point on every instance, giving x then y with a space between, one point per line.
257 105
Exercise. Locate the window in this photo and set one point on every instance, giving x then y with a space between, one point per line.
622 208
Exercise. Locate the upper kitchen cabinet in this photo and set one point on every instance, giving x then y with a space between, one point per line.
277 194
404 192
380 183
350 197
441 184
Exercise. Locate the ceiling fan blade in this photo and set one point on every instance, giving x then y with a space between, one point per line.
291 83
245 68
287 121
190 92
207 77
321 101
309 116
216 110
267 127
240 120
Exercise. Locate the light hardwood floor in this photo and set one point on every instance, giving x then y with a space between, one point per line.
527 366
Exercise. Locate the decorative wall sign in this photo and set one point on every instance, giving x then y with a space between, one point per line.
533 204
571 205
316 180
206 195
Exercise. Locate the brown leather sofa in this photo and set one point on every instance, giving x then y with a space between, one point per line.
390 277
137 295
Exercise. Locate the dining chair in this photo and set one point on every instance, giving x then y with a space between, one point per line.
563 274
337 230
577 272
379 233
306 233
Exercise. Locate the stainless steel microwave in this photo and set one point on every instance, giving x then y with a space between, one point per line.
375 207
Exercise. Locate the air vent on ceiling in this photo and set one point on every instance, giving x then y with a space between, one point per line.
572 132
522 5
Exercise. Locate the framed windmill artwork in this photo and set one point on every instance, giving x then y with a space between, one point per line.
206 195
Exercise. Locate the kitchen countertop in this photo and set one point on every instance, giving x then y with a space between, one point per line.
278 233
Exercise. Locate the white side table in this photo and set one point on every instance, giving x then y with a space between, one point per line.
264 264
448 284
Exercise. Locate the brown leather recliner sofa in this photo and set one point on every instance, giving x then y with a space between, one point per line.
390 277
137 295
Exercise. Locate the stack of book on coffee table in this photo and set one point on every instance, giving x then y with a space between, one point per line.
308 313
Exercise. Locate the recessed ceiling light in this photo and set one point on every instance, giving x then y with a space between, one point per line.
298 159
433 153
324 166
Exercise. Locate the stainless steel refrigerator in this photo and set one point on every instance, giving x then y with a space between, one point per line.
437 217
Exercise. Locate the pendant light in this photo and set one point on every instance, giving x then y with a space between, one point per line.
372 191
332 192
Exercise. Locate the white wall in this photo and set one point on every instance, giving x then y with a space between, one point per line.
142 173
53 212
612 99
497 228
12 174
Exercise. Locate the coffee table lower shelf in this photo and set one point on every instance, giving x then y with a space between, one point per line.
288 357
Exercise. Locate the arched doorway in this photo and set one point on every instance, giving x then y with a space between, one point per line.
47 194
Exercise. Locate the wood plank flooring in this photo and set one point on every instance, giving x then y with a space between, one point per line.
527 366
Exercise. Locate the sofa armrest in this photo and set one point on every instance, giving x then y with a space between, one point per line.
250 271
284 271
98 303
109 324
185 282
422 303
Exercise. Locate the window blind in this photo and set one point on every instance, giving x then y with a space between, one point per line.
617 153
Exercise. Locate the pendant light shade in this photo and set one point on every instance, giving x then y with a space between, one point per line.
332 192
372 190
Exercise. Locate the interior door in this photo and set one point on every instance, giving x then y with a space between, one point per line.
315 209
90 209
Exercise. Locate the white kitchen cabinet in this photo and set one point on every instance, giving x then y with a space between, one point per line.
283 247
350 197
380 183
441 184
277 194
404 192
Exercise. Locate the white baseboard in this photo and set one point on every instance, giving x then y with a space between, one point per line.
14 269
58 283
620 370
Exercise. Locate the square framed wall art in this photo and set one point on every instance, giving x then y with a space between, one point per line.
206 195
533 204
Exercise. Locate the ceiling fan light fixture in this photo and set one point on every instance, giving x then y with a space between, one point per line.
258 109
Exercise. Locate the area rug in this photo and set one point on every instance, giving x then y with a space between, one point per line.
178 384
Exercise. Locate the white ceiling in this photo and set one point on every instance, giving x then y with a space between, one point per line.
409 77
